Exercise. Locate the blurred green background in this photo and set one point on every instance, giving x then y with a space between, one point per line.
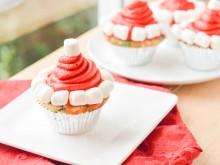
23 51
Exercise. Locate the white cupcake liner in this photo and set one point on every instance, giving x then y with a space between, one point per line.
133 56
72 124
198 58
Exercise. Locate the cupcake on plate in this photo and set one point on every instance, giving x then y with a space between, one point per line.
73 92
200 39
133 34
169 12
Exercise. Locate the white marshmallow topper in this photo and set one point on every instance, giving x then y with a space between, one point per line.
45 94
71 47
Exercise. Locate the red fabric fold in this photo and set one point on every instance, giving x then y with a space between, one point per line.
9 90
171 143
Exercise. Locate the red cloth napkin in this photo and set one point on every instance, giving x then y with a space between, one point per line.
170 143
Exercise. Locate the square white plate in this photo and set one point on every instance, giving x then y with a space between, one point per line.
125 121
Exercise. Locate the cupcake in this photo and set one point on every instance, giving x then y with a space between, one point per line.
133 34
73 92
200 39
169 12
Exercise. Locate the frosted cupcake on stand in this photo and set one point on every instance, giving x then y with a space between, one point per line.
133 34
169 12
73 92
200 39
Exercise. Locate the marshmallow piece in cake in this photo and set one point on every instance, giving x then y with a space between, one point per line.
214 5
108 28
152 31
138 34
177 31
71 47
77 98
43 93
215 42
106 87
35 82
179 16
188 36
202 40
121 32
94 96
106 75
60 98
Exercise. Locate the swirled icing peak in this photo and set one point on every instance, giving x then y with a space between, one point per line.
137 13
173 5
73 72
208 23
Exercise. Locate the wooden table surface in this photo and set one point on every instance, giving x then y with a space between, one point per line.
199 105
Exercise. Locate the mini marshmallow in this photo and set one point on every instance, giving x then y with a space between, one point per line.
155 6
179 16
60 98
188 36
106 87
163 16
71 47
190 13
200 5
215 42
194 14
94 96
35 82
152 31
185 23
138 34
108 28
177 31
106 75
43 93
163 27
121 31
45 72
202 40
78 98
214 5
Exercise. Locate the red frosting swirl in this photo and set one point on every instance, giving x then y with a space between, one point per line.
209 23
136 14
173 5
74 73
